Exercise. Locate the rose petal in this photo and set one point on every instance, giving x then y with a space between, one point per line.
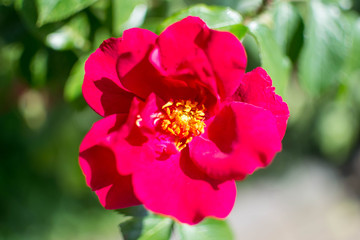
137 43
137 140
228 59
170 75
177 47
119 195
257 89
98 164
177 188
134 70
142 79
101 129
177 55
240 139
103 93
102 87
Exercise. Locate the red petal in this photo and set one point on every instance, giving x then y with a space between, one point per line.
177 188
136 44
119 195
101 129
240 139
134 70
102 88
177 46
176 68
142 79
257 89
99 167
177 55
137 140
228 59
105 97
98 164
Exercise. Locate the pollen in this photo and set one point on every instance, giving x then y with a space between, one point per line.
182 119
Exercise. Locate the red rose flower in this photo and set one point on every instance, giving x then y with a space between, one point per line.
181 121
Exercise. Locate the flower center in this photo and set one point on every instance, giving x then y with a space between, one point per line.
183 120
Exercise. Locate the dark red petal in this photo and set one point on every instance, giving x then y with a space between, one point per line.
105 97
134 70
119 195
177 45
102 88
257 89
177 188
137 140
98 164
177 55
101 129
228 59
142 79
136 45
240 139
176 68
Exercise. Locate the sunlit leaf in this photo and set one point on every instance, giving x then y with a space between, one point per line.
352 62
336 130
140 224
72 89
351 70
38 68
209 229
6 2
74 34
272 57
56 10
29 14
220 18
246 6
325 48
286 20
128 14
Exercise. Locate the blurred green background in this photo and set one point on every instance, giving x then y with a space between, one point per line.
310 48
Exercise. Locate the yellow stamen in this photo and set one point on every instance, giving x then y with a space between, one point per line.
182 119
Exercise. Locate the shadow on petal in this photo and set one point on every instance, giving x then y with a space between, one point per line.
192 171
99 166
114 99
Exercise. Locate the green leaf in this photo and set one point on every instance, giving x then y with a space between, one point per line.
6 2
140 224
325 48
72 89
351 69
286 20
238 30
56 10
352 63
74 34
248 6
209 229
272 57
336 140
28 13
38 68
128 14
220 18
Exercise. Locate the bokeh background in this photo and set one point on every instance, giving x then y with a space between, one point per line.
311 49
